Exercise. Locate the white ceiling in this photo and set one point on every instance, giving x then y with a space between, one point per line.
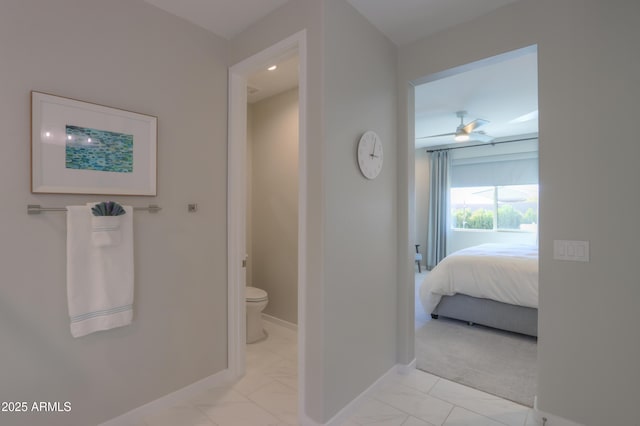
405 21
267 83
225 18
499 93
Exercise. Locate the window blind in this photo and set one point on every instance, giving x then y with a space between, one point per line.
499 173
484 169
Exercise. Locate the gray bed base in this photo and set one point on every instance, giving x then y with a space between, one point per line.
518 319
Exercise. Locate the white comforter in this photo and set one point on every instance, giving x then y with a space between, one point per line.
502 272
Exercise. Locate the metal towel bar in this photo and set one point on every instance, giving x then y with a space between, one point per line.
37 209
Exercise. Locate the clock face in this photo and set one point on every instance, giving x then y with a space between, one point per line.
370 155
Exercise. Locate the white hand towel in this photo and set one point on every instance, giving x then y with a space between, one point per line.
99 270
105 230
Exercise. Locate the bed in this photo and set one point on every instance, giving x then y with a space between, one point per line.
495 285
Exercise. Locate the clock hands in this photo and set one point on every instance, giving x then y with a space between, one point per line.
373 152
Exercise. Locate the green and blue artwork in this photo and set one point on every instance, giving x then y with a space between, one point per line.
99 150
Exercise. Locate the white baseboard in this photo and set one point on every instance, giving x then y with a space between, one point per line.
350 408
545 419
137 414
278 321
306 421
406 369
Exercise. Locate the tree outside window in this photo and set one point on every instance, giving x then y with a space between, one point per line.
491 208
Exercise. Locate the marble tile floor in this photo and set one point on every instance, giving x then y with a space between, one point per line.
267 396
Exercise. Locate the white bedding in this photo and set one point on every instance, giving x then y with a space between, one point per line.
504 272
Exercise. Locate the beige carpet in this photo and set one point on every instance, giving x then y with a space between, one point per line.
494 361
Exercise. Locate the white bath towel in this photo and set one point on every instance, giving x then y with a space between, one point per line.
99 270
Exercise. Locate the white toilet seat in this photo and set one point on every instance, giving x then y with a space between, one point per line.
254 294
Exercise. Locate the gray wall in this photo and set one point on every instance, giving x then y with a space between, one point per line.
351 270
126 54
274 203
589 342
360 236
249 207
129 55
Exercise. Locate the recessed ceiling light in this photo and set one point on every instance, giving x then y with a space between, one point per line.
272 67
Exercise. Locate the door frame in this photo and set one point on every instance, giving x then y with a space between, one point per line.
406 330
236 201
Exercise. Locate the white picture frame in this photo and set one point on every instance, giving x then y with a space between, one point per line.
84 148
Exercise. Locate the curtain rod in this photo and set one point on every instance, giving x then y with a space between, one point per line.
482 144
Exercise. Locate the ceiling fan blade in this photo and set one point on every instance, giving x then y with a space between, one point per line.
480 137
436 136
468 128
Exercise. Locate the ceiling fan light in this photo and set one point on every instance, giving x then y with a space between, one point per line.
461 137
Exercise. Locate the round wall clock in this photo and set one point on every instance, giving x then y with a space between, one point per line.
370 154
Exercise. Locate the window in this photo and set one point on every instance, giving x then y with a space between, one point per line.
472 207
495 208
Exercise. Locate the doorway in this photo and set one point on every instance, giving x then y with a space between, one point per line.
237 201
478 123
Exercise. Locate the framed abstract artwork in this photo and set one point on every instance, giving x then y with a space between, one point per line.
84 148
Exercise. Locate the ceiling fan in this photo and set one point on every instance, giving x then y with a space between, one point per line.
466 132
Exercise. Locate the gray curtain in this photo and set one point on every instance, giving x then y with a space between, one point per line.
438 208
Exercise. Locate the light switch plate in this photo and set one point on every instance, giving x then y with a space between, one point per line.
577 251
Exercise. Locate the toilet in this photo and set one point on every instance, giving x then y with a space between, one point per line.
256 300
